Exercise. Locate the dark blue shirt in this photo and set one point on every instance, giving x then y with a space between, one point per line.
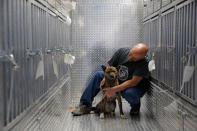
128 69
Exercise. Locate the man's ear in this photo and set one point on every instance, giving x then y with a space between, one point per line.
103 67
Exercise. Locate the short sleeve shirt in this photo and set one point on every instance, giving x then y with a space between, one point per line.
128 69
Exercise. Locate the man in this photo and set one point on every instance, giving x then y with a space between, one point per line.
133 78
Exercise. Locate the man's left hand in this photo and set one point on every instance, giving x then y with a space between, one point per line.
109 92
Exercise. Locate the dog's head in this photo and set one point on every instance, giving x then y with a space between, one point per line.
110 72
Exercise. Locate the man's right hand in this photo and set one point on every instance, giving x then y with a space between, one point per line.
102 83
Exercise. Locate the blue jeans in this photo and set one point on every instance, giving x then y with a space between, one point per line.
132 95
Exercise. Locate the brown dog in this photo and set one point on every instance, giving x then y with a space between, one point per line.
108 105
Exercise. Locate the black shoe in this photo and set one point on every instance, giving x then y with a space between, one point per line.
81 110
134 111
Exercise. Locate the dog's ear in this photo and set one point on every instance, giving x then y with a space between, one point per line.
103 67
118 67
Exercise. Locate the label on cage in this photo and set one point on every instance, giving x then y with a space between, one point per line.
73 5
40 69
66 59
68 20
69 59
151 65
188 72
55 69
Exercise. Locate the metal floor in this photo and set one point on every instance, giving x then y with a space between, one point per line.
91 122
55 115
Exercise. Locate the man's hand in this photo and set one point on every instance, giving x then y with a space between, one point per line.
109 92
102 83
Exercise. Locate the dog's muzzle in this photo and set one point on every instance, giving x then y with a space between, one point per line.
112 77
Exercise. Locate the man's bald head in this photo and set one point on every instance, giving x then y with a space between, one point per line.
138 52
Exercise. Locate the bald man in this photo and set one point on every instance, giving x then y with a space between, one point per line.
133 77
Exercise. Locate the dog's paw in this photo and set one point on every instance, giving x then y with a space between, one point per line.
102 116
92 112
123 117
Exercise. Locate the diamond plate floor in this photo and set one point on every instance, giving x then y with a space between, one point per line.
56 115
91 122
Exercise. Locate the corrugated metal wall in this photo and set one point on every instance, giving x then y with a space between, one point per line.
167 46
154 43
185 40
170 31
1 70
99 28
28 25
172 39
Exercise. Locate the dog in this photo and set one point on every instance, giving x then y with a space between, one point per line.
108 105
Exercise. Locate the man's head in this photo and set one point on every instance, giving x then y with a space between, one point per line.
138 52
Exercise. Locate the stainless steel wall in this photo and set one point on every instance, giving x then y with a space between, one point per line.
99 28
1 75
172 42
170 33
167 60
40 29
185 39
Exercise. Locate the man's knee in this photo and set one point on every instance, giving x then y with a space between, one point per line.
130 93
99 74
131 96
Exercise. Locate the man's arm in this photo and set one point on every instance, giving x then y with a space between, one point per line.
129 83
102 83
